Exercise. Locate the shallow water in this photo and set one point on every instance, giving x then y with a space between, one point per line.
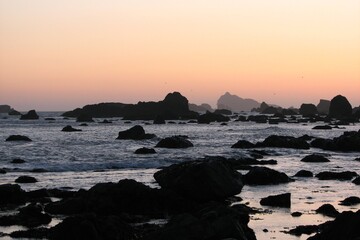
82 159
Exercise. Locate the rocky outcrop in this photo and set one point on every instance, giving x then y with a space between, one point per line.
281 200
31 115
340 107
308 109
243 144
327 175
209 117
201 180
322 127
84 118
350 201
304 173
135 133
5 108
315 158
145 150
265 176
349 141
26 179
200 108
69 128
174 142
235 103
13 112
327 210
284 142
323 106
18 138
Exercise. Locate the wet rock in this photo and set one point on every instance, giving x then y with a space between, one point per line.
2 171
50 119
35 233
306 137
308 109
135 133
315 158
304 173
350 201
244 163
92 227
243 144
69 128
327 210
31 115
356 181
265 176
281 200
349 141
284 142
18 138
145 150
303 229
209 117
174 142
14 113
106 121
18 161
38 170
83 125
26 179
340 107
258 118
159 120
347 175
11 194
296 214
201 180
322 127
84 118
346 226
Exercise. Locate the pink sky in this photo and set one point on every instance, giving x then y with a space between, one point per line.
58 55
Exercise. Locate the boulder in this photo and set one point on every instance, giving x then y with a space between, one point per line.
201 180
31 115
243 144
84 118
26 179
281 200
322 127
304 173
13 112
174 142
2 171
223 111
356 181
69 128
18 161
284 142
349 141
340 107
145 150
327 210
323 106
135 133
265 176
106 121
209 117
18 138
303 229
346 175
350 201
11 194
315 158
308 109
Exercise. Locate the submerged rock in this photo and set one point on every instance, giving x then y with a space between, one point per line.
31 115
315 158
322 127
243 144
145 150
174 142
265 176
18 138
347 175
69 128
18 161
26 179
201 180
281 200
135 133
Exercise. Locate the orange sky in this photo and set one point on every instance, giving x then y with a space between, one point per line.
58 55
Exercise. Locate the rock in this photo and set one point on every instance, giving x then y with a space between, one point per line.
106 121
327 210
258 118
174 142
243 144
201 180
356 181
18 161
349 141
200 108
36 233
265 176
350 201
308 109
31 115
323 106
11 194
303 229
4 108
14 113
223 112
346 226
18 138
322 127
25 179
69 128
281 200
304 173
159 120
50 119
315 158
209 117
296 214
31 216
340 107
236 103
2 171
83 125
92 227
283 142
270 110
145 150
243 163
135 133
347 175
84 118
288 112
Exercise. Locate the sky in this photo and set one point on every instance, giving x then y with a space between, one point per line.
59 55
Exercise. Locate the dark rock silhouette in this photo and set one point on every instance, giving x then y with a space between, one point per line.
31 115
270 110
106 121
281 200
315 158
258 118
308 109
209 117
356 181
303 229
223 112
11 194
200 108
159 120
18 138
327 175
174 142
235 103
26 179
135 133
5 108
69 128
284 142
13 112
201 180
145 150
18 161
349 141
322 127
243 144
327 210
174 106
350 201
304 173
265 176
290 112
346 226
340 107
84 118
323 106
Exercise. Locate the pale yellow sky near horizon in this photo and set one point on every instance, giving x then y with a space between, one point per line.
58 55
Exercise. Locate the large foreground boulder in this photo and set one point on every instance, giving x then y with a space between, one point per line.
135 133
281 200
265 176
31 115
201 180
340 107
174 142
